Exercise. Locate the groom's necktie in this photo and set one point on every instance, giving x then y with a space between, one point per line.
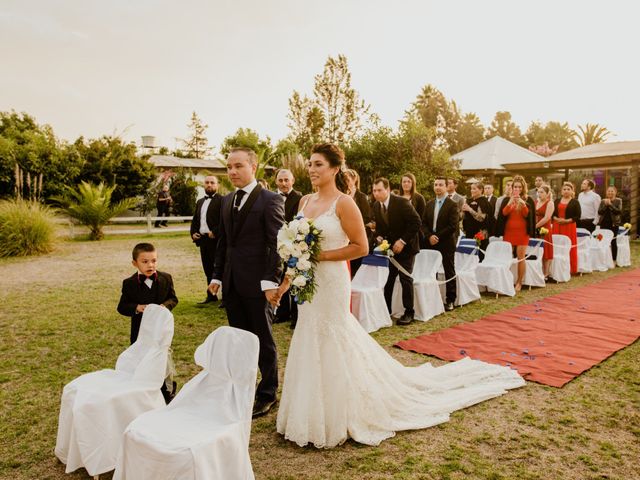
236 203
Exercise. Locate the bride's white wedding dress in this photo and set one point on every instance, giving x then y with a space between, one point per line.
340 383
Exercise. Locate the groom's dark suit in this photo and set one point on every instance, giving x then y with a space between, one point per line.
400 221
246 256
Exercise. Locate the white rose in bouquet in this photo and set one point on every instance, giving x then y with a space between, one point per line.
304 227
303 264
299 281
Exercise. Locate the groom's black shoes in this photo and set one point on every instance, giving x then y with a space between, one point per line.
405 319
262 407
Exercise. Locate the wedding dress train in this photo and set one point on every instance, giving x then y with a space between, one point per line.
339 383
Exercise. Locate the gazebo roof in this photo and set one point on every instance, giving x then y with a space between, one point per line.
597 150
169 161
492 154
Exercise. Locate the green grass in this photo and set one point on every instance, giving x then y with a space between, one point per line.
58 321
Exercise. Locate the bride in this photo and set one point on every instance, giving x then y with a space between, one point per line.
338 382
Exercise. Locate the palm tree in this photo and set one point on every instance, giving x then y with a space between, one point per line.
592 133
91 206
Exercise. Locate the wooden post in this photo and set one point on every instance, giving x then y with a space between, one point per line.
635 195
71 232
148 223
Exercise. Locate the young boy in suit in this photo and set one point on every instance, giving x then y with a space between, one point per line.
146 286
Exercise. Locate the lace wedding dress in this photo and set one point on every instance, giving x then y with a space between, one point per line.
340 383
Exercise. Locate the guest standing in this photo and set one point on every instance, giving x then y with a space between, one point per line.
409 191
565 219
506 194
516 222
205 228
478 216
589 204
440 224
610 216
163 203
362 202
544 212
288 309
533 193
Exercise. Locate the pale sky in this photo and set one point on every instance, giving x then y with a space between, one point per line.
91 67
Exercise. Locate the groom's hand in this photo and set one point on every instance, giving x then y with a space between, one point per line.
272 297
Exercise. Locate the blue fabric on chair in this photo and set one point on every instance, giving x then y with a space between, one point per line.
583 234
375 260
622 231
467 246
533 243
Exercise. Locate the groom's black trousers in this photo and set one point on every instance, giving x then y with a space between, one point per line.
255 315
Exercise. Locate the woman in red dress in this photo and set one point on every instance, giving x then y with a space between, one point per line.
566 215
516 222
544 212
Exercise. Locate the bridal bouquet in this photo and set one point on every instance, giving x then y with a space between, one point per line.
299 246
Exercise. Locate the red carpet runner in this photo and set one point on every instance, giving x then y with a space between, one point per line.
552 340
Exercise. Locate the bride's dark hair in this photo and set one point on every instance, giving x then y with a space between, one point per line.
335 156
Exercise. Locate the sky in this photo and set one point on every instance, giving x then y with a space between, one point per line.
140 67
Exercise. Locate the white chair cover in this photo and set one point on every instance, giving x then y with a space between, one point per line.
534 274
495 239
96 407
427 301
494 273
367 297
204 432
623 258
466 260
584 246
601 257
560 268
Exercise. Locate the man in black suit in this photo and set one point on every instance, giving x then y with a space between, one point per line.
440 224
248 266
398 223
492 199
205 229
288 309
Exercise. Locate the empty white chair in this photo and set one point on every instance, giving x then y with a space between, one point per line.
560 269
427 301
583 247
534 274
204 432
97 407
367 293
466 260
494 273
601 257
623 257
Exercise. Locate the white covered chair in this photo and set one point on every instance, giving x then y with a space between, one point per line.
97 407
494 273
583 247
601 257
367 293
203 434
466 260
560 269
623 257
427 301
534 274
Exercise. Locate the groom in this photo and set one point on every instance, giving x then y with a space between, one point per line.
248 266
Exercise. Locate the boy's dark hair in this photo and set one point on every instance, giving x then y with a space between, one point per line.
142 247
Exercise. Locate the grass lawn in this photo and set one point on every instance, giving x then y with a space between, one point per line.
58 321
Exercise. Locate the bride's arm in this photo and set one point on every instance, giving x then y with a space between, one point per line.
353 225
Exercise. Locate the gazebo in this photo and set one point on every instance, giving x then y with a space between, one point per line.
489 158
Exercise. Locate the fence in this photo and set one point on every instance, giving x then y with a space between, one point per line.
147 225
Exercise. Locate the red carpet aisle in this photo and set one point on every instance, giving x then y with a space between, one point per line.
550 341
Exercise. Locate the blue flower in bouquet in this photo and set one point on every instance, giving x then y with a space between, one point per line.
292 262
309 239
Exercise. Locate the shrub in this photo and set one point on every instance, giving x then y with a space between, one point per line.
26 228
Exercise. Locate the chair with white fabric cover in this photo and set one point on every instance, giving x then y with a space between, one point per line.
494 272
495 239
367 293
583 247
427 301
560 268
623 258
601 256
97 407
466 260
534 274
204 432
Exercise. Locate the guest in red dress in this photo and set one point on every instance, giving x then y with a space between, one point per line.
567 214
544 212
516 222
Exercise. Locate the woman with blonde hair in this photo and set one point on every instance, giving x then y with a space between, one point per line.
567 215
544 212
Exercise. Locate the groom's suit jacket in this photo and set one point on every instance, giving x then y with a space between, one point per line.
247 248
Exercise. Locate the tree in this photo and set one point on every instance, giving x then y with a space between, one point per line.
336 113
558 137
245 137
470 132
196 145
91 205
503 126
184 190
591 133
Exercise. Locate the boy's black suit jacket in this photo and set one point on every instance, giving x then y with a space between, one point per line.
131 294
